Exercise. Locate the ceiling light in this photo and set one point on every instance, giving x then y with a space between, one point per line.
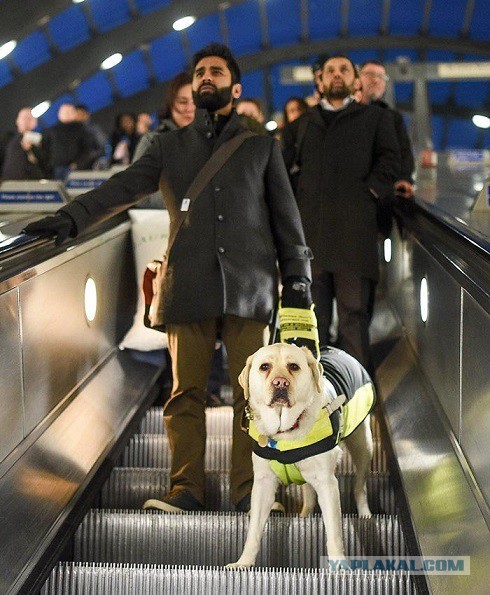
77 1
111 61
271 125
478 120
6 48
183 23
40 109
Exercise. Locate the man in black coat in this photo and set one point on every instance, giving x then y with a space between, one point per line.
373 79
69 144
25 155
222 277
345 159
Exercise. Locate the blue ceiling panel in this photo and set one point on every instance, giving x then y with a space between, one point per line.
145 6
50 118
361 56
403 92
440 56
204 31
281 93
439 92
253 84
95 92
110 15
461 133
324 18
244 27
446 19
32 51
167 56
5 74
394 55
480 21
131 75
365 17
284 20
437 127
472 93
406 17
69 28
474 58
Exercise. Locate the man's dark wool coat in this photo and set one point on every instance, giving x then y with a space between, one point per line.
338 166
224 259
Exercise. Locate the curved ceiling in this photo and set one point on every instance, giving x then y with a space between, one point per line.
61 45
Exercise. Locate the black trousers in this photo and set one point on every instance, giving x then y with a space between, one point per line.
355 300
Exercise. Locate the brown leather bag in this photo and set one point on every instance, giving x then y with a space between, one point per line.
156 270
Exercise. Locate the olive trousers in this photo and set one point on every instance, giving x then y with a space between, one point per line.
191 348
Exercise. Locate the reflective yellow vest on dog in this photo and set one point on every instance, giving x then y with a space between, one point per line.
327 432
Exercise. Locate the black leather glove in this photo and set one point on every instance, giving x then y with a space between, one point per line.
60 225
297 320
296 293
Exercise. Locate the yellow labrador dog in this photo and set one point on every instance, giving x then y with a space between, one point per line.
299 410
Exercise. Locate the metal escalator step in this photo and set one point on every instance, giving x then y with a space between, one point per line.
128 579
215 539
218 422
152 450
130 487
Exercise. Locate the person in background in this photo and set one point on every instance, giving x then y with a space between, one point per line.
373 78
124 138
294 108
144 123
251 114
346 157
25 155
221 278
99 137
69 144
251 107
178 110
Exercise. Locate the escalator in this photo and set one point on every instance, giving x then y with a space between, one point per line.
118 548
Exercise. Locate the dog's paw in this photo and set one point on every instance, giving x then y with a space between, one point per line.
238 566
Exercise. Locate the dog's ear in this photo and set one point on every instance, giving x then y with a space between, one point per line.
243 378
315 367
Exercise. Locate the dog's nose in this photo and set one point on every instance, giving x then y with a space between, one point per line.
280 382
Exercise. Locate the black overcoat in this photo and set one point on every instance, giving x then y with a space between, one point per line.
338 167
241 227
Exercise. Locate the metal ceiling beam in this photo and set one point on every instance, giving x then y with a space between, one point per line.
303 51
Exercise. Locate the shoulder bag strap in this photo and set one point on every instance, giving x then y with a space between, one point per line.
208 171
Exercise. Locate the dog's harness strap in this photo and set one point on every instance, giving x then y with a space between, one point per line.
297 454
335 404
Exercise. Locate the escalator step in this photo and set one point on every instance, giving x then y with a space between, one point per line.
125 579
152 450
215 539
218 422
130 487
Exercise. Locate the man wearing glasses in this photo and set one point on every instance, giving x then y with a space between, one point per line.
373 79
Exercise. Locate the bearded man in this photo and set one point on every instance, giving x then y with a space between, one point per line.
221 277
344 157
